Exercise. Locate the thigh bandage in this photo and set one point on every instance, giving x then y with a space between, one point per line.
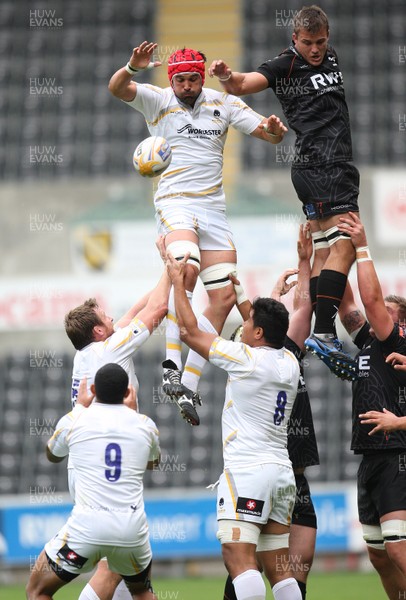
216 276
271 541
319 240
180 248
231 531
393 530
334 234
372 534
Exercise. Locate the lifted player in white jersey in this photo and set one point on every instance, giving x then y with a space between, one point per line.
256 492
98 342
190 202
110 446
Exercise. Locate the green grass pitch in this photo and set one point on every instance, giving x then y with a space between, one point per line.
333 586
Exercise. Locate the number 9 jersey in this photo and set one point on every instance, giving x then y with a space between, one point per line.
109 446
261 389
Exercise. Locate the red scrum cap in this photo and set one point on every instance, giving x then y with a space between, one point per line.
186 61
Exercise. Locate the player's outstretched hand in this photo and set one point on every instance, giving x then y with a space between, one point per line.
384 421
218 68
274 126
398 361
304 242
282 286
176 268
131 399
351 224
141 56
83 397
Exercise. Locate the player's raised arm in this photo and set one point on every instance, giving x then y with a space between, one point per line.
121 84
368 282
237 83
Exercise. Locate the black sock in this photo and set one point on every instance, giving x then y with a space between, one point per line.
330 291
302 587
229 591
313 291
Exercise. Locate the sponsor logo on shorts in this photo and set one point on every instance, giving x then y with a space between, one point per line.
341 206
71 558
250 506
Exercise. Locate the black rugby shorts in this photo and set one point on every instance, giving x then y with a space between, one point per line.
327 190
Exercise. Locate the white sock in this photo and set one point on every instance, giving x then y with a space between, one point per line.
173 343
122 592
287 589
195 363
88 593
249 586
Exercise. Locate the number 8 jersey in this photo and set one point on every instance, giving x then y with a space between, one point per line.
261 389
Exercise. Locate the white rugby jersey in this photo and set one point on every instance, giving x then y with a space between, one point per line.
118 348
109 447
261 389
197 136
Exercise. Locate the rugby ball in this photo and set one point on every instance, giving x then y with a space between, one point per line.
152 156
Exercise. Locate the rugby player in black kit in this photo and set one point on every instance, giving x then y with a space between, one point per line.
380 387
307 81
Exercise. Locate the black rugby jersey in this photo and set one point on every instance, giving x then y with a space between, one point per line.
313 101
379 385
302 445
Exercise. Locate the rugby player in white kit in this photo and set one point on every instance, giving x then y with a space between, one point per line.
190 201
110 446
98 342
256 492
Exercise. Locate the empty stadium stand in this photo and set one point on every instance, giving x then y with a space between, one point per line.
34 394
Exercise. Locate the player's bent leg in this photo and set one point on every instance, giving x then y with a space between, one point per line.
44 581
392 579
331 286
321 252
393 582
393 526
302 543
273 554
178 243
103 584
216 267
139 585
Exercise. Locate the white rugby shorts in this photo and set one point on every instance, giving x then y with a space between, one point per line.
257 494
211 226
74 553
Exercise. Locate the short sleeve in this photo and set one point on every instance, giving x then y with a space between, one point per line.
395 342
155 449
362 336
148 101
234 357
126 340
272 70
242 117
58 445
